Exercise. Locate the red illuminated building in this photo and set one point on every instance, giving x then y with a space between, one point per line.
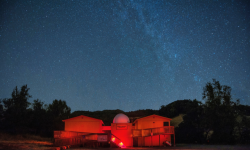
152 130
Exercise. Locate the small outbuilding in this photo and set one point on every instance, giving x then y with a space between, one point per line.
83 124
155 130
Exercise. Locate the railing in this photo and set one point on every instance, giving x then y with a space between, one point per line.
137 132
153 131
68 134
117 141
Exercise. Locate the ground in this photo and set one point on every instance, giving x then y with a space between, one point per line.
38 145
9 142
180 147
27 144
31 142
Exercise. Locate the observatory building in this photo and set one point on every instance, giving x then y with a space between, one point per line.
153 130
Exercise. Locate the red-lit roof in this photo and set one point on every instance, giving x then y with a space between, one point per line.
157 116
70 119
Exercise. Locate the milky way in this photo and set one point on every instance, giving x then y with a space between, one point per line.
126 55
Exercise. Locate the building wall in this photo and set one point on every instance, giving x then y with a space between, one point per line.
150 122
153 121
156 140
140 141
124 132
83 124
152 140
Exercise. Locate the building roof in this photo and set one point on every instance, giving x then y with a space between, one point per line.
70 119
157 116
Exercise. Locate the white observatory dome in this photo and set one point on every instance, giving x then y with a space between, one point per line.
121 118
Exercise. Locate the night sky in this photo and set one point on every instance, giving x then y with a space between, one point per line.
126 55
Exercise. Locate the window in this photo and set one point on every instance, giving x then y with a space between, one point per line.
165 123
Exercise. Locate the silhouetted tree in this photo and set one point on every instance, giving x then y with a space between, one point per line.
242 129
39 117
244 109
1 114
245 130
220 114
57 111
175 108
16 114
142 113
190 130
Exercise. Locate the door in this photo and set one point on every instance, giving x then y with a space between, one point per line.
135 141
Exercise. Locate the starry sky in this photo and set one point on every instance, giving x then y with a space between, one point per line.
124 54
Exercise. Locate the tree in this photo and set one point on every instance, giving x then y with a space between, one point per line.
38 116
19 99
59 108
1 114
219 112
190 130
16 109
58 111
242 130
175 108
245 130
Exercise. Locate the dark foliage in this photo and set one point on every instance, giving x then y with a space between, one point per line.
220 113
175 108
16 114
245 131
142 113
57 111
1 114
245 110
39 117
215 121
190 130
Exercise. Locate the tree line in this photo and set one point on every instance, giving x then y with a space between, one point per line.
19 116
219 120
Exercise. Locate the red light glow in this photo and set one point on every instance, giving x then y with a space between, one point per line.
113 139
121 145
